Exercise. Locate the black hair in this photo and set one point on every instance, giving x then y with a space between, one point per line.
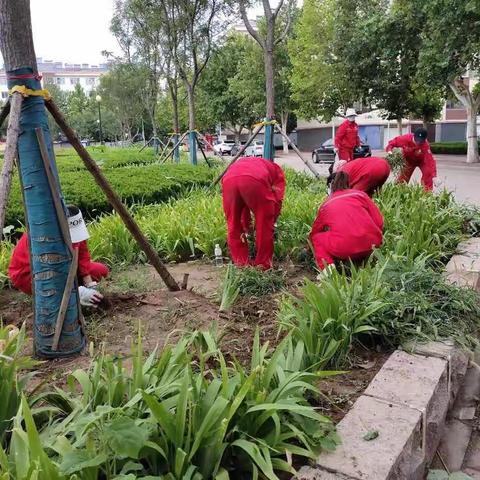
341 182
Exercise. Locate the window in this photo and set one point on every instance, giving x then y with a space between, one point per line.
4 94
48 80
74 80
91 80
60 80
454 104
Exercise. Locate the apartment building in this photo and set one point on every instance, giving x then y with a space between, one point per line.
65 75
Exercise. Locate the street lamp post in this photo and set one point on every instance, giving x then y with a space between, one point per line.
98 98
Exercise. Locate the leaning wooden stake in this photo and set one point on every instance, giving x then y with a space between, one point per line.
239 154
10 153
297 151
113 198
164 158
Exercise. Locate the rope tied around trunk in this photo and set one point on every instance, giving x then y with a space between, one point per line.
28 92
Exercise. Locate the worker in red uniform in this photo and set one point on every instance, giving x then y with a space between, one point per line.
252 185
347 138
417 153
89 273
367 174
348 225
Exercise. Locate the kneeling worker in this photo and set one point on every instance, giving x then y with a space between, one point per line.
255 185
348 225
89 273
367 174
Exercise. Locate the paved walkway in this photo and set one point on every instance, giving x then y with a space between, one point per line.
454 173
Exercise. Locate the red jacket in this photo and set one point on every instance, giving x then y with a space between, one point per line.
353 220
412 152
366 174
264 171
20 261
347 135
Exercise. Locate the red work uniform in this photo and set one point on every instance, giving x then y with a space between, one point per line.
415 155
366 174
255 185
348 226
346 139
20 273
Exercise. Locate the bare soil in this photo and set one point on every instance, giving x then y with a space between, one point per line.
138 303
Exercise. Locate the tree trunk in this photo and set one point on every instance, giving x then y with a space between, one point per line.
472 140
192 144
399 126
50 256
471 104
237 132
173 89
284 117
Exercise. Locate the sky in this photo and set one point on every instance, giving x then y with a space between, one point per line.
75 31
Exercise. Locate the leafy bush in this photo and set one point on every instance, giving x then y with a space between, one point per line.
452 148
146 184
6 249
174 417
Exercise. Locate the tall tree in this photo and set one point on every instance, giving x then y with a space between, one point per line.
50 256
217 98
426 104
277 26
321 85
451 46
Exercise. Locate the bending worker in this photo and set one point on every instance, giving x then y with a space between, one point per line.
365 174
348 225
252 185
417 153
347 138
89 273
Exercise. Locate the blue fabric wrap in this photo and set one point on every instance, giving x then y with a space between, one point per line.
268 152
176 152
45 237
192 147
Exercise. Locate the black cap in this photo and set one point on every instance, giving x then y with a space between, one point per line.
420 135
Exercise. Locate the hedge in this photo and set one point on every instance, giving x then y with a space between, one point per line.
452 148
135 184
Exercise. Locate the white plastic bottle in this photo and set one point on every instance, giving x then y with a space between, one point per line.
218 256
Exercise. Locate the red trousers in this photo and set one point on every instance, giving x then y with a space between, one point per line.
23 280
326 252
427 169
345 154
242 195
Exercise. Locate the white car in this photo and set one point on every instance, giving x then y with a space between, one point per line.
254 150
223 147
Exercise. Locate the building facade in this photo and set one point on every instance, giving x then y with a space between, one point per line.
65 75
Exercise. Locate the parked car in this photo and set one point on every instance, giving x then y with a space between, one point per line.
224 148
254 150
236 148
325 153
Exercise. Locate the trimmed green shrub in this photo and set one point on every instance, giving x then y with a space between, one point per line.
452 148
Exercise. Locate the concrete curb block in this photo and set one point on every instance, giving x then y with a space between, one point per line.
406 403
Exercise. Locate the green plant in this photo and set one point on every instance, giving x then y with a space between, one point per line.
326 318
6 249
230 288
395 160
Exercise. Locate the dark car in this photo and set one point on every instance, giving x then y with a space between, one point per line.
325 153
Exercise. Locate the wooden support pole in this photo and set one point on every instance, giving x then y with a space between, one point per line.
4 113
203 153
297 151
13 131
239 154
113 198
72 274
164 158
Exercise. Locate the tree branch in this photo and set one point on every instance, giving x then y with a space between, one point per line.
286 30
456 87
248 25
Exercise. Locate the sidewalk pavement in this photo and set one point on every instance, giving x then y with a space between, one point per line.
454 174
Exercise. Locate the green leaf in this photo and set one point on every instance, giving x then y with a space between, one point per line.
371 435
125 437
79 460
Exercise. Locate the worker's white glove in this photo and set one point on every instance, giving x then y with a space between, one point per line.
338 164
437 183
89 297
92 284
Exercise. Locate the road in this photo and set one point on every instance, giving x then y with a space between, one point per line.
454 173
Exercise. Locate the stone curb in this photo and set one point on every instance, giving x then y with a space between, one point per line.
406 404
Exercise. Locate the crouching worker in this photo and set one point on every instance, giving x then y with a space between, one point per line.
252 185
366 174
348 225
89 273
